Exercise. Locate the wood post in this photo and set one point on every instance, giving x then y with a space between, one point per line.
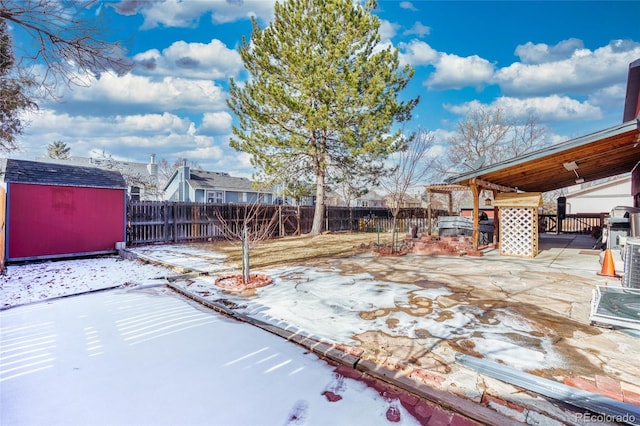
476 215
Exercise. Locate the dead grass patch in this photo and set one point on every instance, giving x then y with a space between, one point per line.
304 249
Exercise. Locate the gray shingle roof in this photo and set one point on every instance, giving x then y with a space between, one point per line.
21 171
201 179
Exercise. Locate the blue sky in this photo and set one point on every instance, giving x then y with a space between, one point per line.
564 62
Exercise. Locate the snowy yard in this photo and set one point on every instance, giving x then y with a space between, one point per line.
408 315
142 355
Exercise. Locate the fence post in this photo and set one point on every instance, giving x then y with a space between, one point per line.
326 217
175 222
165 213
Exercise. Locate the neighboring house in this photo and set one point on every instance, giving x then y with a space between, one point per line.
601 197
187 185
57 210
334 199
371 199
408 202
141 178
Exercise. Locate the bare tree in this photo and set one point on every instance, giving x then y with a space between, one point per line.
526 137
249 223
133 178
67 36
410 165
351 186
14 94
166 169
485 136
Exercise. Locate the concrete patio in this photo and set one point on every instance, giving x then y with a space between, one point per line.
407 317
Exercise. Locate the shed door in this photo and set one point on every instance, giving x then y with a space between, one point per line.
3 227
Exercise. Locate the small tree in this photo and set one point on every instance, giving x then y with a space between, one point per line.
249 223
58 150
410 164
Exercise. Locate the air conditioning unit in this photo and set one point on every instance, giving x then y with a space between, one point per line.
631 277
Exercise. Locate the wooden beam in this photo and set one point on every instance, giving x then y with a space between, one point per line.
476 215
496 222
488 185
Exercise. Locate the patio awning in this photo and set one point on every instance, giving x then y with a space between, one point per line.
602 154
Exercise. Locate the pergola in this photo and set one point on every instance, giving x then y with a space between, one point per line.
598 155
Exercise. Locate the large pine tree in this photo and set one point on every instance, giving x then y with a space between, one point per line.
322 93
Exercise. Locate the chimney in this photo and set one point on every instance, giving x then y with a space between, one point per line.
152 167
184 175
631 104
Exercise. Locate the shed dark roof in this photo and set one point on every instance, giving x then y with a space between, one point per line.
21 171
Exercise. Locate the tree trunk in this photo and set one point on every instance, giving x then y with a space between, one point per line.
245 256
394 232
318 215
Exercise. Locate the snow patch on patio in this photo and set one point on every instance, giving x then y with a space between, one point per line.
336 307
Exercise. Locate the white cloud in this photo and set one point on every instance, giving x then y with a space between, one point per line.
531 53
216 122
194 60
582 72
455 72
208 153
417 53
611 97
546 109
451 71
418 29
387 30
177 13
130 138
133 93
408 6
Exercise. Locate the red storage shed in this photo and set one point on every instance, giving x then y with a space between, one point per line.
57 210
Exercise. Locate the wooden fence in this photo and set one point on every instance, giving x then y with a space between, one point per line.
169 222
580 223
163 221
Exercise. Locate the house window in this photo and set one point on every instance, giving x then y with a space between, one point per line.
243 197
215 197
135 193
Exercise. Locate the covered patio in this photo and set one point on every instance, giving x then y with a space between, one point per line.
598 155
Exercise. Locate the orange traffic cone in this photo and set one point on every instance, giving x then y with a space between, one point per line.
608 267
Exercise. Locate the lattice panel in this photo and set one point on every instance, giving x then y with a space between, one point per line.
519 231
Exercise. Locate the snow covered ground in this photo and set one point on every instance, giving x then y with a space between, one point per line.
143 355
28 283
337 307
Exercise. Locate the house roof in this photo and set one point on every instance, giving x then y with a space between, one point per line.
133 169
34 172
200 179
605 153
